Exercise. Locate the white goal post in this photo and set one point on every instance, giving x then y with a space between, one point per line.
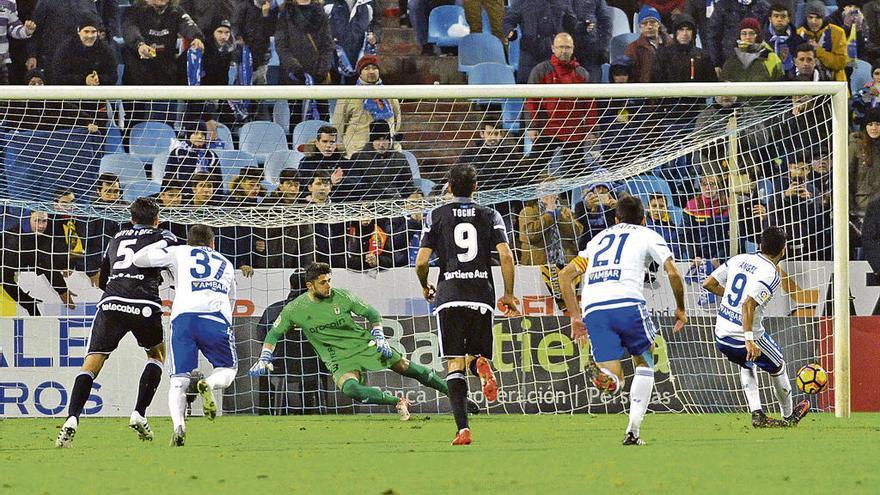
836 91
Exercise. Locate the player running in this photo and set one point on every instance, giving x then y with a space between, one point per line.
346 348
201 319
130 303
745 284
613 305
464 234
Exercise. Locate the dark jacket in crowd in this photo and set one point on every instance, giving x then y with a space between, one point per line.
303 42
871 234
160 29
494 163
22 250
540 21
204 12
591 47
349 29
375 175
314 162
675 62
56 21
722 32
385 238
857 48
109 12
96 233
254 29
74 61
216 60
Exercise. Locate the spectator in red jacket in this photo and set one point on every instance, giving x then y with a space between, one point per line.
560 125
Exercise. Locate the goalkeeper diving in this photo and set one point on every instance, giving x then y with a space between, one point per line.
347 349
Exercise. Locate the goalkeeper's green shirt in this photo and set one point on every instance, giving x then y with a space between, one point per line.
330 328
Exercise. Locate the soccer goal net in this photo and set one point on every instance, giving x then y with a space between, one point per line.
288 176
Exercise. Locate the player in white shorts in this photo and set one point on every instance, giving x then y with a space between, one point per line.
745 284
201 319
613 305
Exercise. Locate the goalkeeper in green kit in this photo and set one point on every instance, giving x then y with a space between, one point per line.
348 350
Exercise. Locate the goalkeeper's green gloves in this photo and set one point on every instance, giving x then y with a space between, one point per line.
263 365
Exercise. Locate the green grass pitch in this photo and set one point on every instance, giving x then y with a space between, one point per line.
379 454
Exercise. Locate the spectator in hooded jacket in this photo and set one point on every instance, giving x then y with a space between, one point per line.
218 54
850 18
681 60
353 25
150 30
592 35
828 40
782 36
305 48
723 33
556 124
85 59
540 21
643 50
752 60
700 11
254 25
56 20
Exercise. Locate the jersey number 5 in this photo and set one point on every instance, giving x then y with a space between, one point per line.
466 238
124 254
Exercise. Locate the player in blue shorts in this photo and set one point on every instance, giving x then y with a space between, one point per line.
612 268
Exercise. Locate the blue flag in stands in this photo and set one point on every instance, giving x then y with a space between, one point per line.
246 67
194 67
310 107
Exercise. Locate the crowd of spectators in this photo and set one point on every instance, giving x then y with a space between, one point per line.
359 155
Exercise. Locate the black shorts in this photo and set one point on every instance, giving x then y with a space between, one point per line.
465 331
115 318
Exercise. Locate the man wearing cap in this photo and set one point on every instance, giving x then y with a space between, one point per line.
352 117
828 40
85 59
219 49
643 50
56 21
752 59
681 60
377 171
722 33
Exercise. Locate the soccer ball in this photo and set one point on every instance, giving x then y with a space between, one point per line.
812 379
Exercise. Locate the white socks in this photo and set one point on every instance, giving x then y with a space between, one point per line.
782 389
177 399
219 380
749 380
639 397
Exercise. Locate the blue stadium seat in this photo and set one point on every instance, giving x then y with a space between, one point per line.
619 22
439 21
157 173
224 135
491 73
860 76
139 189
479 48
261 138
128 168
645 185
606 73
617 45
280 160
148 139
231 163
306 131
511 110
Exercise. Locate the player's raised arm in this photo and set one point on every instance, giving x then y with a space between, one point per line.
714 283
567 276
157 255
508 274
282 324
677 283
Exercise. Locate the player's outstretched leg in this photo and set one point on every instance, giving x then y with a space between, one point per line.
177 408
219 380
798 413
147 386
82 386
421 374
458 390
352 388
487 378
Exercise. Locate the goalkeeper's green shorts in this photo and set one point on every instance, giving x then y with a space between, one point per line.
368 359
